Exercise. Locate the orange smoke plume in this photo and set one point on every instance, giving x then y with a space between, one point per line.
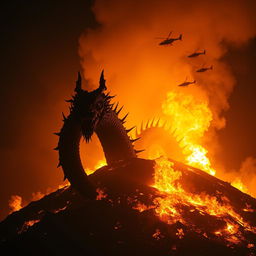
145 75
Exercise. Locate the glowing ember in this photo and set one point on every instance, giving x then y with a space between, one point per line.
100 194
28 224
180 233
170 204
142 207
157 235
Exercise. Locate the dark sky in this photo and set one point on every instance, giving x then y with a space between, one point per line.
39 63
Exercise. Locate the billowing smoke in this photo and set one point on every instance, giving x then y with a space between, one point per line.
141 72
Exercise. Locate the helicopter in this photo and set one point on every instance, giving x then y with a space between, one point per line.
204 69
186 83
195 54
169 40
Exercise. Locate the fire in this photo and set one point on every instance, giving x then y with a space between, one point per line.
27 225
237 183
99 164
191 118
15 203
173 196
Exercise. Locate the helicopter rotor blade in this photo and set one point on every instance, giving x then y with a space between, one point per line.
169 35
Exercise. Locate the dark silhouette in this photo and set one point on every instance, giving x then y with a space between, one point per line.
204 69
196 54
169 40
92 112
186 83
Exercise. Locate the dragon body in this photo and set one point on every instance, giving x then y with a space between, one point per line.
92 112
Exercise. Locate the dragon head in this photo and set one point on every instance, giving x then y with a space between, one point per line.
89 107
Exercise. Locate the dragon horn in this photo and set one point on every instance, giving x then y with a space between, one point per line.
78 83
102 85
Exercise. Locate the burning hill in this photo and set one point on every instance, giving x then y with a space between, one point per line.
143 207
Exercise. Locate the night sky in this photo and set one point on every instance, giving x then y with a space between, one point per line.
39 64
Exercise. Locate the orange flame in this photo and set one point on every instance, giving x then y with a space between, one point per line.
15 203
191 118
166 180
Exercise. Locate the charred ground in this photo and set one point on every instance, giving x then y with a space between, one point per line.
124 221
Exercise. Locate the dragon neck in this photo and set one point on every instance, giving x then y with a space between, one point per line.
114 140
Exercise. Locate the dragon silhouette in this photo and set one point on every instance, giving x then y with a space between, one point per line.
92 112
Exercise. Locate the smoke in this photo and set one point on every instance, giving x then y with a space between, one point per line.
141 72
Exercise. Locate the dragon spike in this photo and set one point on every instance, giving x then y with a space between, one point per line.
123 119
136 132
57 133
64 118
78 83
128 130
157 123
152 123
141 127
180 139
147 124
57 148
174 132
59 164
115 109
133 140
139 151
164 125
102 86
108 97
117 112
71 101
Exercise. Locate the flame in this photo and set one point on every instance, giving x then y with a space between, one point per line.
172 195
157 235
237 183
191 118
15 203
99 164
28 224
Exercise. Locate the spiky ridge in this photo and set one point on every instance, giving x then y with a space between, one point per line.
156 130
116 143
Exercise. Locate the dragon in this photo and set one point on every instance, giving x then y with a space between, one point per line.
92 112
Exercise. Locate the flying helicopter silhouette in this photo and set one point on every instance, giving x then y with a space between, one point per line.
195 54
204 69
186 83
168 39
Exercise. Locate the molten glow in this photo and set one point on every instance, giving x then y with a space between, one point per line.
172 196
237 183
15 203
28 224
157 235
190 118
99 164
100 194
